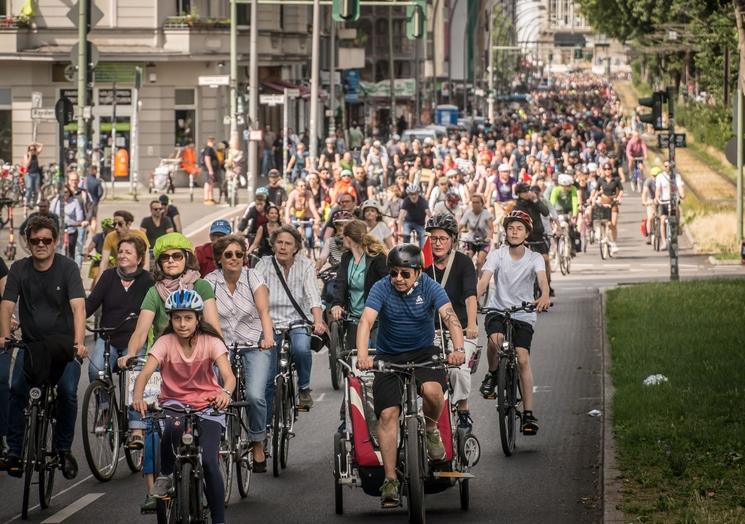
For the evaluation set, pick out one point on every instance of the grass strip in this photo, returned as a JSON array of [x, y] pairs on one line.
[[681, 444]]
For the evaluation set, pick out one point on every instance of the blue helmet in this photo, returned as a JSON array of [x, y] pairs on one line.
[[184, 300], [262, 191]]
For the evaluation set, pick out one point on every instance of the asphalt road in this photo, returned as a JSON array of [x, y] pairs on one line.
[[553, 477]]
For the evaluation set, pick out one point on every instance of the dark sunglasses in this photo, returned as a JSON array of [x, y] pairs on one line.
[[178, 256], [230, 254], [120, 223], [37, 241], [405, 273]]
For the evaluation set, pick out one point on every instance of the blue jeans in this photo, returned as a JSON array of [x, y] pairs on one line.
[[300, 348], [5, 360], [67, 406], [96, 364], [31, 181], [258, 371], [80, 244], [266, 161], [411, 226], [308, 232]]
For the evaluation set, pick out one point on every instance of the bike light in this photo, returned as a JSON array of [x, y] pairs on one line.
[[35, 393], [101, 375], [187, 439], [505, 345], [283, 362]]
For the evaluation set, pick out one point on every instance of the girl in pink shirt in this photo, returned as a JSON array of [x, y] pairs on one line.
[[185, 354]]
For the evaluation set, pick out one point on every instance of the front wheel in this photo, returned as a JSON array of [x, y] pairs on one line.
[[100, 426], [339, 465], [563, 266], [226, 460], [277, 419], [186, 500], [414, 471], [47, 463], [30, 445], [506, 408], [335, 351], [244, 456]]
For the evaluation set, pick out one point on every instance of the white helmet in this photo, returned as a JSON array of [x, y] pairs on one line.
[[592, 167], [565, 180]]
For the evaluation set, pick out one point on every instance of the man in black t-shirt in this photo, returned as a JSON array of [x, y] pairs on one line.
[[460, 287], [277, 193], [171, 212], [413, 215], [157, 224], [51, 305]]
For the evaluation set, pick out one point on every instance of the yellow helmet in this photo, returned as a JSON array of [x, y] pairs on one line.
[[655, 171]]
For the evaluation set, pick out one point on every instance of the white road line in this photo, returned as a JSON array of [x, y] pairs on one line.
[[73, 508], [320, 397], [541, 389]]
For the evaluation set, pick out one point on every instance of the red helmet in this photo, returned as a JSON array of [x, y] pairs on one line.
[[522, 216]]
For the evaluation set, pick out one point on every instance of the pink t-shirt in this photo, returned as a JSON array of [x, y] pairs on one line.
[[188, 381]]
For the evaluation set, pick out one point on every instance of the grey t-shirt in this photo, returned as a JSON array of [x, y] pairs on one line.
[[477, 224], [513, 280]]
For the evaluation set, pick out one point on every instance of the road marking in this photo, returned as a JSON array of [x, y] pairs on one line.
[[541, 389], [320, 397], [73, 508]]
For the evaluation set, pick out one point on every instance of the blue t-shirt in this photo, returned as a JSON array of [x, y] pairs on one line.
[[406, 322]]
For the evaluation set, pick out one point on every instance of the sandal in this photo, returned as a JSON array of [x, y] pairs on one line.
[[135, 442]]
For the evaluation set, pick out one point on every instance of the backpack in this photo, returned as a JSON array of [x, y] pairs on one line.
[[86, 202]]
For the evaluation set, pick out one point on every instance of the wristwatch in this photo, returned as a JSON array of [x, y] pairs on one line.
[[459, 350], [227, 392]]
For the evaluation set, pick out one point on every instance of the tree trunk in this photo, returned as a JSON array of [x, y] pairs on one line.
[[739, 12]]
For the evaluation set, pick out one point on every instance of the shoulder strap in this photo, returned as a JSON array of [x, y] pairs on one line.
[[445, 275], [287, 290]]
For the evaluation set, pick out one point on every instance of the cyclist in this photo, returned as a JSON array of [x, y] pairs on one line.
[[530, 202], [289, 267], [515, 270], [52, 323], [301, 207], [185, 355], [172, 212], [451, 206], [333, 247], [662, 198], [43, 211], [122, 228], [479, 224], [609, 192], [454, 271], [296, 164], [263, 234], [218, 229], [565, 200], [242, 299], [277, 194], [372, 214], [636, 151], [404, 306], [95, 246], [119, 293], [157, 224], [413, 215], [648, 196]]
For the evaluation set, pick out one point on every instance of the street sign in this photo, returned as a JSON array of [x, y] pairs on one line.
[[214, 80], [663, 140], [42, 113], [36, 99], [293, 93], [271, 100], [256, 135], [70, 72], [92, 54], [73, 15], [64, 111]]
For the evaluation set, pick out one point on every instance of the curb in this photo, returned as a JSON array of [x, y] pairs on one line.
[[715, 262], [611, 480]]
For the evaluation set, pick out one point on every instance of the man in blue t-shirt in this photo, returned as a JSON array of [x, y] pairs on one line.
[[405, 306]]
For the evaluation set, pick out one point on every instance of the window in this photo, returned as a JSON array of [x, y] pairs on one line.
[[183, 7], [3, 7], [6, 124], [244, 14], [185, 117]]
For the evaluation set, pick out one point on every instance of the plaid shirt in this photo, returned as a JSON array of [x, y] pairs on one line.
[[303, 285]]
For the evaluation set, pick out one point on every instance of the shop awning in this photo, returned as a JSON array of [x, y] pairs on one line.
[[569, 40]]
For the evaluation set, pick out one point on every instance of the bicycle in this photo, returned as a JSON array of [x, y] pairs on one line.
[[105, 421], [601, 216], [637, 175], [656, 232], [309, 244], [509, 393], [337, 332], [285, 400], [10, 248], [563, 244]]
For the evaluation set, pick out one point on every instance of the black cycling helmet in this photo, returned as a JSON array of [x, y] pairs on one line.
[[444, 221], [521, 187], [405, 255]]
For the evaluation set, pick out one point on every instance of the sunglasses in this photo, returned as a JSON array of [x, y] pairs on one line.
[[119, 224], [230, 254], [178, 256], [345, 201], [43, 240], [156, 209], [439, 240], [405, 273]]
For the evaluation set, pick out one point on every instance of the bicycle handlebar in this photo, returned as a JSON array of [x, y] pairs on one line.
[[242, 348], [106, 330], [528, 307]]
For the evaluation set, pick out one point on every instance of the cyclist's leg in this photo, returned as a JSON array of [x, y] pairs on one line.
[[210, 434], [309, 235], [67, 405], [495, 330], [420, 234], [258, 369], [95, 360], [387, 393], [170, 441], [18, 399], [135, 423], [269, 389], [5, 362], [407, 232], [460, 378], [614, 223], [301, 354]]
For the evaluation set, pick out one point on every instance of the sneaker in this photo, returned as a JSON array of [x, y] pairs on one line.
[[649, 240], [613, 248], [68, 465], [530, 424], [465, 421], [150, 505], [390, 496], [305, 401], [12, 465], [551, 292], [663, 245], [489, 385], [435, 447], [209, 202], [162, 487]]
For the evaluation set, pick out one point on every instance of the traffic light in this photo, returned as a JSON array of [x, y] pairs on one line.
[[415, 18], [346, 10], [655, 102]]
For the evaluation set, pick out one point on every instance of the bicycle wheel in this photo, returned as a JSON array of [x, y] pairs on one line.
[[47, 462], [100, 428], [288, 417], [339, 464], [335, 351], [135, 459], [561, 255], [244, 456], [164, 511], [277, 419], [505, 405], [414, 471], [656, 241], [185, 499], [226, 459], [30, 445], [568, 256]]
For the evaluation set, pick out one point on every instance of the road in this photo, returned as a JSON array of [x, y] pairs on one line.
[[553, 477]]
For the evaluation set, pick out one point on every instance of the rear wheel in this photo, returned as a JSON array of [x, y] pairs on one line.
[[30, 445], [335, 350], [135, 459], [244, 456], [506, 409], [414, 471], [48, 455], [288, 413], [277, 419], [100, 431]]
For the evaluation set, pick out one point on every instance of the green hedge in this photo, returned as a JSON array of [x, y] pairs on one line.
[[709, 124]]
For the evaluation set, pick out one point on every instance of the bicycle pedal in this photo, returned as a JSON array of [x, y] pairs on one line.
[[290, 434], [302, 409]]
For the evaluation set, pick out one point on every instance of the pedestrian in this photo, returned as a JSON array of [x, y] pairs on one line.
[[73, 213], [204, 254], [171, 212], [355, 136], [267, 160], [157, 224], [210, 169], [93, 185], [48, 291], [32, 178], [90, 211]]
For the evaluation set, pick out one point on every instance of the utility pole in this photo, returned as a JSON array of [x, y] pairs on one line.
[[234, 70], [113, 138], [135, 135], [314, 61], [332, 79], [417, 74], [673, 218], [490, 94], [253, 99], [740, 147], [82, 140], [391, 70]]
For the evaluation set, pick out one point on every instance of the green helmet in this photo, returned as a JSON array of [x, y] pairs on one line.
[[655, 171], [107, 223], [172, 241]]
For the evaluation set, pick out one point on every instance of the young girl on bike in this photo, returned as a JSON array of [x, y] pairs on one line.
[[185, 355]]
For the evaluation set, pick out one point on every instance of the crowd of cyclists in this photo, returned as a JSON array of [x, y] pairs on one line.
[[417, 234]]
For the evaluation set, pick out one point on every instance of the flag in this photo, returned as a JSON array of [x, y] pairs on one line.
[[427, 252]]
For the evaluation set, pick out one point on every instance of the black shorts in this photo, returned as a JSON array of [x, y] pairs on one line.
[[522, 332], [388, 388], [539, 246], [663, 210], [478, 247]]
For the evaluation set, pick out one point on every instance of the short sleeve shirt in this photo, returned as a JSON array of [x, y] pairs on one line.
[[154, 232], [112, 239], [406, 322], [191, 380], [609, 188], [239, 319], [477, 224], [415, 212], [154, 303]]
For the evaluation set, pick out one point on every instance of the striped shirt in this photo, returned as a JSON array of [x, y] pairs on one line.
[[303, 285], [239, 319]]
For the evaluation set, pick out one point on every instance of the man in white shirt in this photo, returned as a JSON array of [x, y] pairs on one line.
[[662, 198]]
